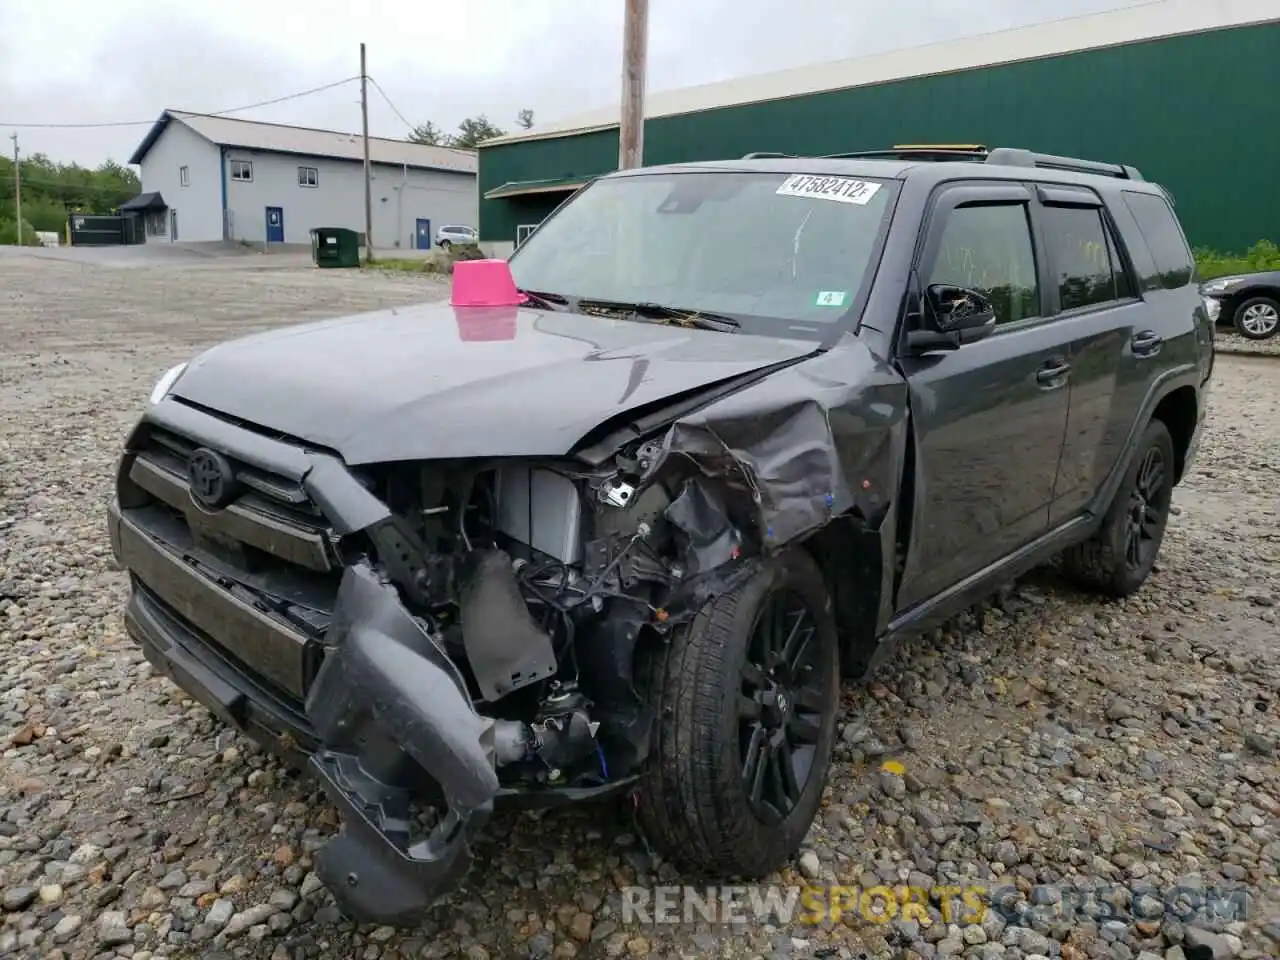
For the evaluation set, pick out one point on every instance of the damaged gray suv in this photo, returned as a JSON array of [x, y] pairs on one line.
[[744, 426]]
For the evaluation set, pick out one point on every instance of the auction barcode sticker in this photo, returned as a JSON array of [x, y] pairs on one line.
[[839, 189]]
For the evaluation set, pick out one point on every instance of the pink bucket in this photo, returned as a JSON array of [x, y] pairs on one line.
[[484, 283]]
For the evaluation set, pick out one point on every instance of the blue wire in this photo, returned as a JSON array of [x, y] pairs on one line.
[[604, 767]]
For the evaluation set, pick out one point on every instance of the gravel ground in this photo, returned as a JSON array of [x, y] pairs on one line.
[[1231, 342], [1044, 745]]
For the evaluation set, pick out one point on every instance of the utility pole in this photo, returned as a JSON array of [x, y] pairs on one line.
[[368, 189], [635, 45], [17, 186]]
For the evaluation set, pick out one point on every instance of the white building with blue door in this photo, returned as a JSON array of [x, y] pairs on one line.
[[218, 178]]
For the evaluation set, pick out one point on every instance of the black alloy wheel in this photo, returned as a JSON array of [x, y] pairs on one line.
[[784, 699], [746, 697], [1119, 557], [1148, 502]]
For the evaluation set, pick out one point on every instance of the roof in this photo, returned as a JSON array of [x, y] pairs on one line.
[[1151, 20], [517, 188], [144, 202], [306, 141]]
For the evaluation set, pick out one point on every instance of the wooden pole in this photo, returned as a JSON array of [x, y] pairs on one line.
[[368, 189], [634, 60], [17, 187]]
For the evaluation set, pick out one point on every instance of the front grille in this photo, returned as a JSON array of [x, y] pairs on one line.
[[267, 494], [270, 549]]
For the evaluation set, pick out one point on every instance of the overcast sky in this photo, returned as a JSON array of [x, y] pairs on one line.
[[71, 61]]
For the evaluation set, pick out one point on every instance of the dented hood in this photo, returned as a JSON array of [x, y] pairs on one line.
[[435, 381]]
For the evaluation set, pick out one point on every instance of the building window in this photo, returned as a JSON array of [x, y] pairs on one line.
[[524, 231], [308, 177], [184, 177], [242, 170]]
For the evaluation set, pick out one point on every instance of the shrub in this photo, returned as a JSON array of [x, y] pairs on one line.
[[465, 251], [9, 233], [1263, 255]]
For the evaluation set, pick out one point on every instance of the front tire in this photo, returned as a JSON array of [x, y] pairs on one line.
[[1117, 560], [1258, 318], [746, 697]]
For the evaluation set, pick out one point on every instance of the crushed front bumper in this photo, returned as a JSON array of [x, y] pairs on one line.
[[386, 717]]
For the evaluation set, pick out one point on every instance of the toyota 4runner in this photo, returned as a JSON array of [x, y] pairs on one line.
[[742, 427]]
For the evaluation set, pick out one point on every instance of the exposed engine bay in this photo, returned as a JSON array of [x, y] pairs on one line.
[[538, 579]]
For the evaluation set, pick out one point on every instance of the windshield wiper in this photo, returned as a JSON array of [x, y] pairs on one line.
[[547, 301], [660, 313]]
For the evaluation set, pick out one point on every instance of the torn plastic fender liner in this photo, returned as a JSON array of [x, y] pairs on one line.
[[807, 444], [387, 692], [699, 515], [505, 647]]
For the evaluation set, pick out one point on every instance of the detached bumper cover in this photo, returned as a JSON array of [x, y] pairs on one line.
[[387, 693], [387, 717]]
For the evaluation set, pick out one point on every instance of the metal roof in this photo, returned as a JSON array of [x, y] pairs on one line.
[[144, 203], [516, 188], [1145, 21], [305, 141]]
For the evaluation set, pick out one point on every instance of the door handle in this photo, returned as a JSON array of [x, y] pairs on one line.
[[1146, 344], [1053, 373]]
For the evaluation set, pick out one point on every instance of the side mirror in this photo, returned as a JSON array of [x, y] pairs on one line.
[[959, 308], [954, 316]]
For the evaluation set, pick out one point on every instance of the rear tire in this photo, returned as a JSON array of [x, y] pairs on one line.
[[1258, 318], [444, 245], [1117, 560], [746, 697]]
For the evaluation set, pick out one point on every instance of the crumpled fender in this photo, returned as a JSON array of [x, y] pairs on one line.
[[809, 443]]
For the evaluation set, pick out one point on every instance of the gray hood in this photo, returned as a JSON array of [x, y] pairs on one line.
[[434, 381]]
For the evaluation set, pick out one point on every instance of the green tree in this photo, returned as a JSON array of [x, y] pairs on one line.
[[51, 190], [474, 130], [429, 134], [471, 131]]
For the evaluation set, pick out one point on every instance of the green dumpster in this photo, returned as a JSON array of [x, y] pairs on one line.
[[335, 247]]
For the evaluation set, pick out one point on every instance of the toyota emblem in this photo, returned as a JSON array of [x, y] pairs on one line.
[[212, 479]]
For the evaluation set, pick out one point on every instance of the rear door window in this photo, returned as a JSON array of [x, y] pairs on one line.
[[1164, 238], [1083, 258]]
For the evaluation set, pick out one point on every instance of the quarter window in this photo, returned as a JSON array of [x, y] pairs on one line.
[[1082, 257], [1164, 238], [242, 170], [987, 247], [308, 177]]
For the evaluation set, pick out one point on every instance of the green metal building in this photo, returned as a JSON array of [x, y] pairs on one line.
[[1188, 91]]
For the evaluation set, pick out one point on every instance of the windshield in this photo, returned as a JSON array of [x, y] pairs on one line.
[[765, 247]]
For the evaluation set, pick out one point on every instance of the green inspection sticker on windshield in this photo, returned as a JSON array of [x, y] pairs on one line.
[[830, 298]]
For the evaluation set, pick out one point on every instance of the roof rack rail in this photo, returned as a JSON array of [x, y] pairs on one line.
[[940, 154], [976, 153], [1016, 157]]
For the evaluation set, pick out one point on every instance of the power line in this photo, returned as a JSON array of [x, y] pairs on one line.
[[377, 86], [190, 113], [291, 96]]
